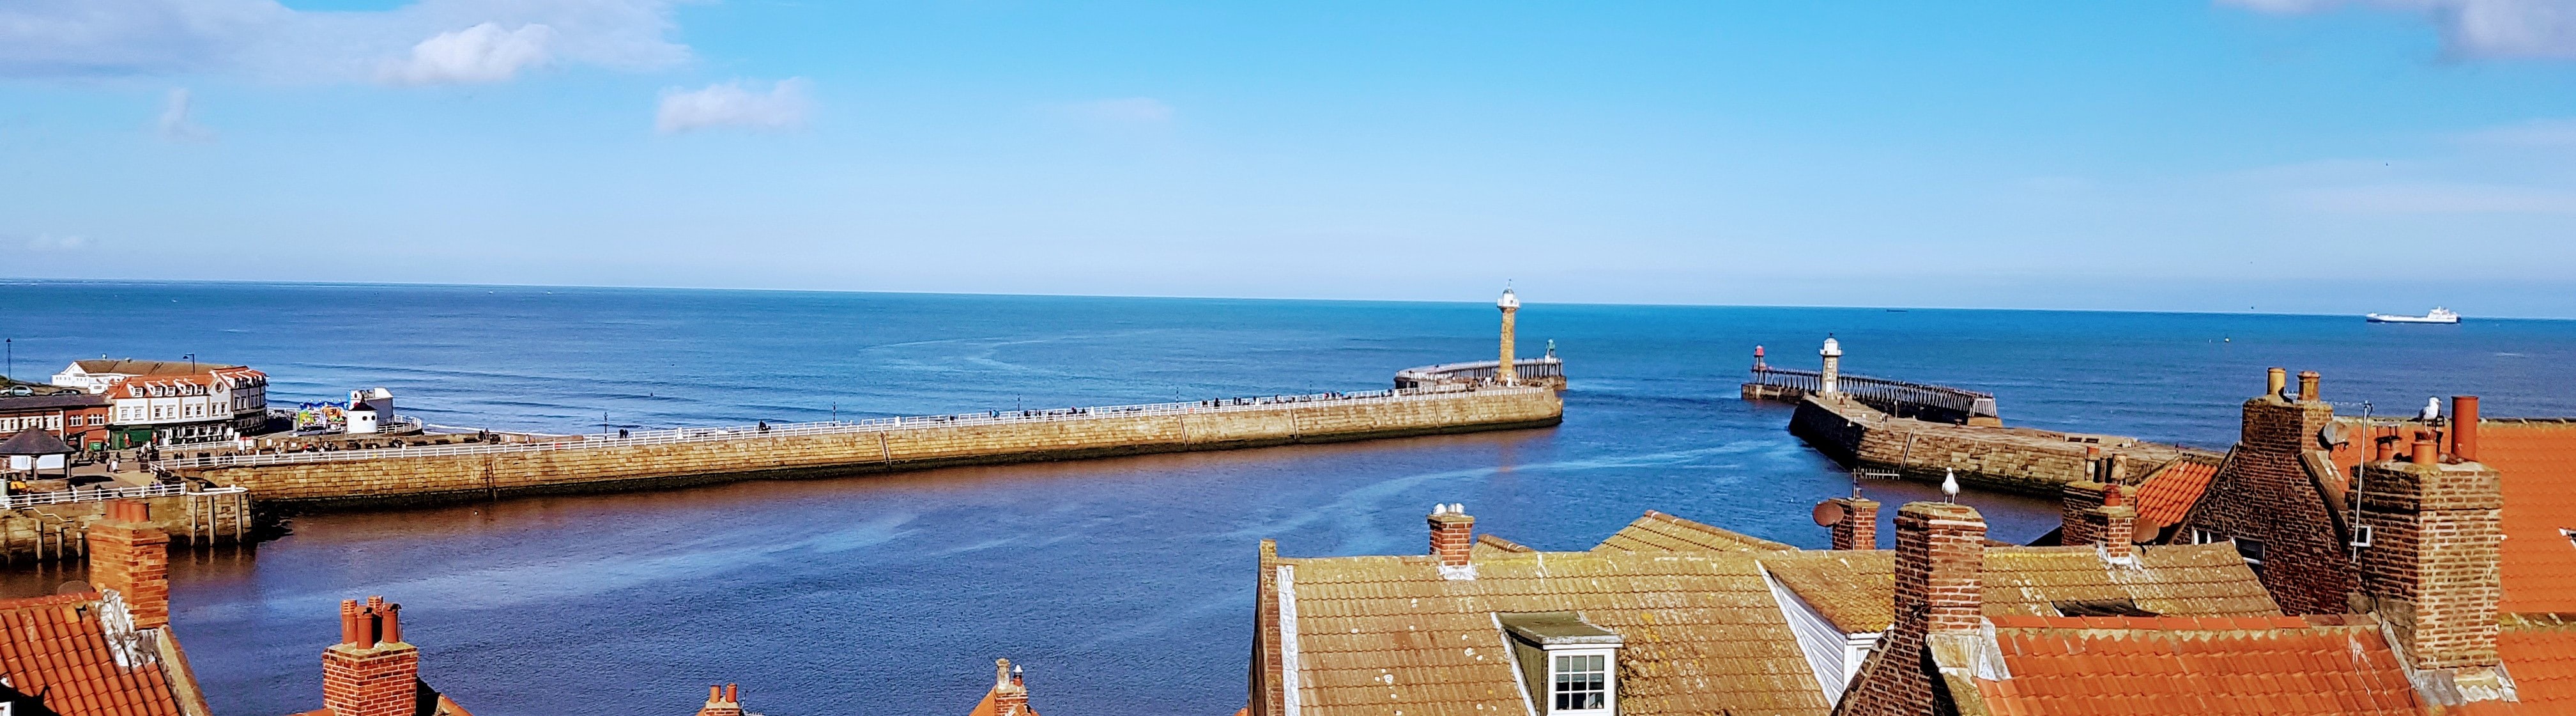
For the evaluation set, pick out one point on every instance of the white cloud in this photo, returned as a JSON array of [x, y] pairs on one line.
[[2440, 199], [2472, 28], [1125, 110], [175, 123], [784, 106], [482, 53], [51, 242], [428, 41], [2544, 133]]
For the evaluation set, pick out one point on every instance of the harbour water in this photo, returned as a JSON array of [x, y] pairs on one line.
[[1124, 585]]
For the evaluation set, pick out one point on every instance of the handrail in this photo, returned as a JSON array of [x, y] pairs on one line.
[[1545, 367], [1962, 400], [843, 427], [102, 494]]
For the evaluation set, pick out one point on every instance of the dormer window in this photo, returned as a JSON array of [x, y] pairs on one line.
[[1569, 666]]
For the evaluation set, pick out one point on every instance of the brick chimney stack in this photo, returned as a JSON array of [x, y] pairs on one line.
[[723, 700], [2115, 523], [1453, 533], [2431, 569], [371, 672], [2099, 513], [1940, 551], [130, 556], [1010, 694], [1859, 528]]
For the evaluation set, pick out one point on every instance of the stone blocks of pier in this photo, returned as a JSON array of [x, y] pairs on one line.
[[931, 444], [2032, 462]]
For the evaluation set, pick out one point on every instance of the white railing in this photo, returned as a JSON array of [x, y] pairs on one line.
[[102, 494], [742, 432]]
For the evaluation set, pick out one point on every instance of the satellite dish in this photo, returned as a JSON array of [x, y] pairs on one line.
[[2333, 436], [2145, 531], [1830, 513]]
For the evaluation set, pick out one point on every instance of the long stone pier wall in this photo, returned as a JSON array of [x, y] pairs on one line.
[[916, 445], [2023, 460]]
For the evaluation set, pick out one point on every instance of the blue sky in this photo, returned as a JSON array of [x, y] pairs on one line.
[[2280, 155]]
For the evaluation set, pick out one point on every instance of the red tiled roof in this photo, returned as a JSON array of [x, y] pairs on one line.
[[2267, 666], [56, 647], [2538, 462], [2540, 652], [2168, 496]]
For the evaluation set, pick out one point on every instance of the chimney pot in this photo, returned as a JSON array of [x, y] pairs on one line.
[[393, 623], [2274, 380], [2307, 386], [2424, 453], [349, 622], [2464, 427]]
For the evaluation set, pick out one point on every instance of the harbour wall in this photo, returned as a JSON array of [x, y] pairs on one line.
[[2021, 460], [902, 445]]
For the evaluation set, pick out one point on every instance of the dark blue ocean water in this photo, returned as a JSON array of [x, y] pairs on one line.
[[1124, 585]]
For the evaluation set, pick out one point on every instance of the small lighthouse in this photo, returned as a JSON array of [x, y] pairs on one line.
[[1505, 372], [1831, 378]]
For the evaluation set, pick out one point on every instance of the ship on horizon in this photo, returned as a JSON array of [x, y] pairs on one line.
[[2437, 315]]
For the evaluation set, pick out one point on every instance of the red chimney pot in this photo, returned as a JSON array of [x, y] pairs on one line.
[[2464, 427]]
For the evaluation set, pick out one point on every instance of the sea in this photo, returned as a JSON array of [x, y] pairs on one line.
[[1123, 585]]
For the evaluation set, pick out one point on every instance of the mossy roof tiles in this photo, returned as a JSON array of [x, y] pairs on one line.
[[1856, 589], [1659, 532], [1701, 630]]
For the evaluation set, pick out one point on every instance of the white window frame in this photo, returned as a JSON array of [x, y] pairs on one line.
[[1609, 681]]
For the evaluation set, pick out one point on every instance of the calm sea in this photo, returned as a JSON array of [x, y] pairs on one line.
[[1124, 585]]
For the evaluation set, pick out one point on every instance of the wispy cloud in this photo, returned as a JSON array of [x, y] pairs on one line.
[[2542, 133], [2439, 198], [56, 242], [176, 125], [2470, 28], [482, 53], [785, 106], [425, 42], [1124, 110]]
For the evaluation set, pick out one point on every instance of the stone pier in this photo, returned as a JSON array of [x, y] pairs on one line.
[[460, 473], [2023, 460]]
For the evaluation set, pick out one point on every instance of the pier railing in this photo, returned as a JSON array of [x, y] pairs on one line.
[[1530, 370], [1965, 403], [102, 494], [873, 425]]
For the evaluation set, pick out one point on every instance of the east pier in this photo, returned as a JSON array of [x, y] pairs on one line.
[[1929, 432]]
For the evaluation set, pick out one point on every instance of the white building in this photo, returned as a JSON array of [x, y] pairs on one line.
[[174, 402]]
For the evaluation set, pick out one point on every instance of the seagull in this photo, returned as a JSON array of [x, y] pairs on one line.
[[2432, 408], [1950, 484]]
